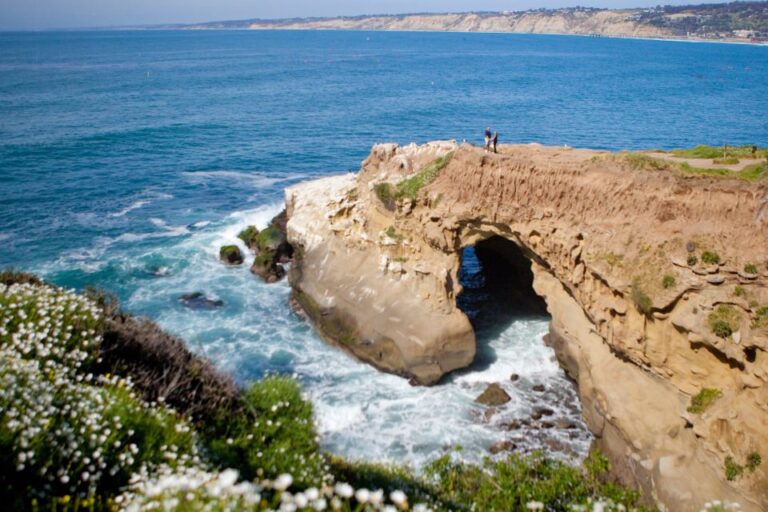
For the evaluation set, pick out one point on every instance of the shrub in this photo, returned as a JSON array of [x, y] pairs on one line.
[[78, 437], [273, 433], [728, 160], [48, 324], [668, 281], [732, 469], [639, 161], [724, 320], [642, 301], [692, 260], [10, 276], [162, 368], [703, 400], [710, 257], [750, 268], [762, 317], [392, 233], [753, 461], [739, 291], [386, 194], [410, 187], [512, 483]]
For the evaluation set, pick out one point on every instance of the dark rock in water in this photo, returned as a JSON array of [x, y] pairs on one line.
[[493, 395], [513, 425], [231, 255], [502, 446], [564, 424], [514, 377], [547, 424], [267, 268], [198, 300], [539, 412], [539, 388]]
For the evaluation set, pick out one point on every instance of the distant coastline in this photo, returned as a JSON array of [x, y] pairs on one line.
[[739, 22]]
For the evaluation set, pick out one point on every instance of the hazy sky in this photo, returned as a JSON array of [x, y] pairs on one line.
[[42, 14]]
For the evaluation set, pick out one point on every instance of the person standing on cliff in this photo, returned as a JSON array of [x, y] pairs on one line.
[[495, 141], [487, 138]]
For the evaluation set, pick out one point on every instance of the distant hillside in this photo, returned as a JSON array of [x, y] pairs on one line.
[[731, 21]]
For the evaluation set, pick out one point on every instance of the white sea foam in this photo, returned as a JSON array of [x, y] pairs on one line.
[[133, 206], [251, 179], [360, 412]]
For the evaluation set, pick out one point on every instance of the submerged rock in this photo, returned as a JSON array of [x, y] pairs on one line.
[[502, 446], [493, 396], [231, 255], [198, 300]]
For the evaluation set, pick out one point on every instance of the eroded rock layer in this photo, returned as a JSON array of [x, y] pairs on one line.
[[655, 280]]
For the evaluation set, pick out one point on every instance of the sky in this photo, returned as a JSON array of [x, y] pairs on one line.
[[47, 14]]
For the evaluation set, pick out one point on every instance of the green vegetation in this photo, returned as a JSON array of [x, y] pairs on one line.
[[614, 259], [753, 461], [752, 172], [230, 253], [73, 434], [513, 483], [668, 281], [271, 434], [750, 268], [729, 160], [248, 235], [724, 320], [642, 301], [692, 260], [710, 258], [733, 470], [269, 239], [703, 400], [264, 260], [640, 161], [762, 317], [739, 291], [392, 233], [386, 194], [720, 152], [410, 187]]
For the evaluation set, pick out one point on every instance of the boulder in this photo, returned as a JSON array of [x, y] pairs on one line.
[[199, 300], [231, 255], [265, 266], [248, 235], [493, 396]]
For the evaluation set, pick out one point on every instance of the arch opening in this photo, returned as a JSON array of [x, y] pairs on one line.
[[497, 290]]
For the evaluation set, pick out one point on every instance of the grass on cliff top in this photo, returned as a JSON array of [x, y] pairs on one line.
[[720, 152], [641, 161], [409, 188]]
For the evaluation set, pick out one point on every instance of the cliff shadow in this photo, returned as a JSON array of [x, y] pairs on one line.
[[497, 283]]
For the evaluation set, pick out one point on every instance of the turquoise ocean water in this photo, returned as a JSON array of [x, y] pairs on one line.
[[128, 158]]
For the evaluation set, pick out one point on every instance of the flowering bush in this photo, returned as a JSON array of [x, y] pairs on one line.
[[64, 432], [193, 489], [49, 325], [272, 433]]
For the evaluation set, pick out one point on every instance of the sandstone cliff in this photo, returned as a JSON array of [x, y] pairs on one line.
[[638, 324]]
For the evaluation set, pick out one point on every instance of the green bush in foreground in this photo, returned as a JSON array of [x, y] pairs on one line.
[[703, 400], [272, 433], [71, 439], [668, 282], [733, 469], [518, 482]]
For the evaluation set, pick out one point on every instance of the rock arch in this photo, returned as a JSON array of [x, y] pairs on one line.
[[380, 279]]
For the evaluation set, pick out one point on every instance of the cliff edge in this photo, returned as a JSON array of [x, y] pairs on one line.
[[655, 280]]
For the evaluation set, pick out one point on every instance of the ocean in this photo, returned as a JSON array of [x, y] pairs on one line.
[[128, 158]]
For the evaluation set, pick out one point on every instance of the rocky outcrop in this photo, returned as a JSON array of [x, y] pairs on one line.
[[230, 255], [634, 318]]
